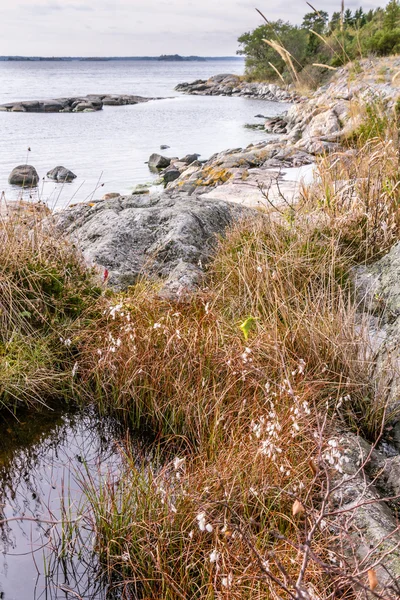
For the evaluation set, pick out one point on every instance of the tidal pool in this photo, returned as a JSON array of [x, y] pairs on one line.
[[43, 460]]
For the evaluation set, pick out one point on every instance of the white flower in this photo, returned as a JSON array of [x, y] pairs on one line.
[[178, 463], [74, 369], [114, 310], [209, 527], [157, 326], [201, 520], [227, 581], [214, 556]]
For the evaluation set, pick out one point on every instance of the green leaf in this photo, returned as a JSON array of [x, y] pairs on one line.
[[247, 326]]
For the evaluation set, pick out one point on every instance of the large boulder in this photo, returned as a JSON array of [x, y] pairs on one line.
[[324, 124], [166, 236], [24, 175], [156, 161], [61, 174]]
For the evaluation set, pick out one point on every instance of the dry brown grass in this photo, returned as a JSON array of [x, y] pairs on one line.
[[241, 414], [246, 419], [44, 289]]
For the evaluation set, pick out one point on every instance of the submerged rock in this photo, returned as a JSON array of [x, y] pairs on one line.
[[166, 236], [24, 175], [61, 174]]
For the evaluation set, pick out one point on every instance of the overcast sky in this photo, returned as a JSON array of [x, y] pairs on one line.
[[140, 27]]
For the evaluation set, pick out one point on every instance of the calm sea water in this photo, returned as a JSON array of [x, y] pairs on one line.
[[107, 150]]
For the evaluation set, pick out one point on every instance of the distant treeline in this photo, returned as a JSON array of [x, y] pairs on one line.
[[320, 40], [163, 57]]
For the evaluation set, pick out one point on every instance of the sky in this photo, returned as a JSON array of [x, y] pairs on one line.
[[140, 27]]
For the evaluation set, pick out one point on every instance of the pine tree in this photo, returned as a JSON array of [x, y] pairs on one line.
[[360, 18], [392, 15], [348, 17]]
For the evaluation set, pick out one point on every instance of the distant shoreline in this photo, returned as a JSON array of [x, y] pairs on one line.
[[162, 58]]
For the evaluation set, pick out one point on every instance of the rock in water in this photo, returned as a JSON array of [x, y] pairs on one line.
[[156, 161], [61, 174], [24, 175], [190, 158], [166, 236]]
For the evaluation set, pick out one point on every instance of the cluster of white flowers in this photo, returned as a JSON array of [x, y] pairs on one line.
[[114, 310], [300, 368], [227, 581], [214, 556], [299, 411], [334, 457], [114, 343], [268, 428], [67, 342], [246, 355], [202, 523], [343, 399]]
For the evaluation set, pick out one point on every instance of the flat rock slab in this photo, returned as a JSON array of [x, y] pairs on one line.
[[90, 103], [259, 189], [167, 237]]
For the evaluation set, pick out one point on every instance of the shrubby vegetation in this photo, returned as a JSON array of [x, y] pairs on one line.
[[320, 40]]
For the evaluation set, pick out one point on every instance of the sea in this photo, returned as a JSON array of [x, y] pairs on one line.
[[108, 150]]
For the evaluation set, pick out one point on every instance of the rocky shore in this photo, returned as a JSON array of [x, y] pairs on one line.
[[233, 85], [90, 103]]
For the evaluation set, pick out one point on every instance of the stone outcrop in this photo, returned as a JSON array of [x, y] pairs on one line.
[[24, 176], [90, 103], [168, 237], [61, 174], [368, 525], [378, 292], [233, 85]]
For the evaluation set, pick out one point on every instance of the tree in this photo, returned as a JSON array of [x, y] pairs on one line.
[[360, 18], [334, 23], [314, 21], [259, 54], [348, 18], [392, 15]]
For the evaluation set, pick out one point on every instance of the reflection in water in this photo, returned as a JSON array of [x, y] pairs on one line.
[[42, 459]]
